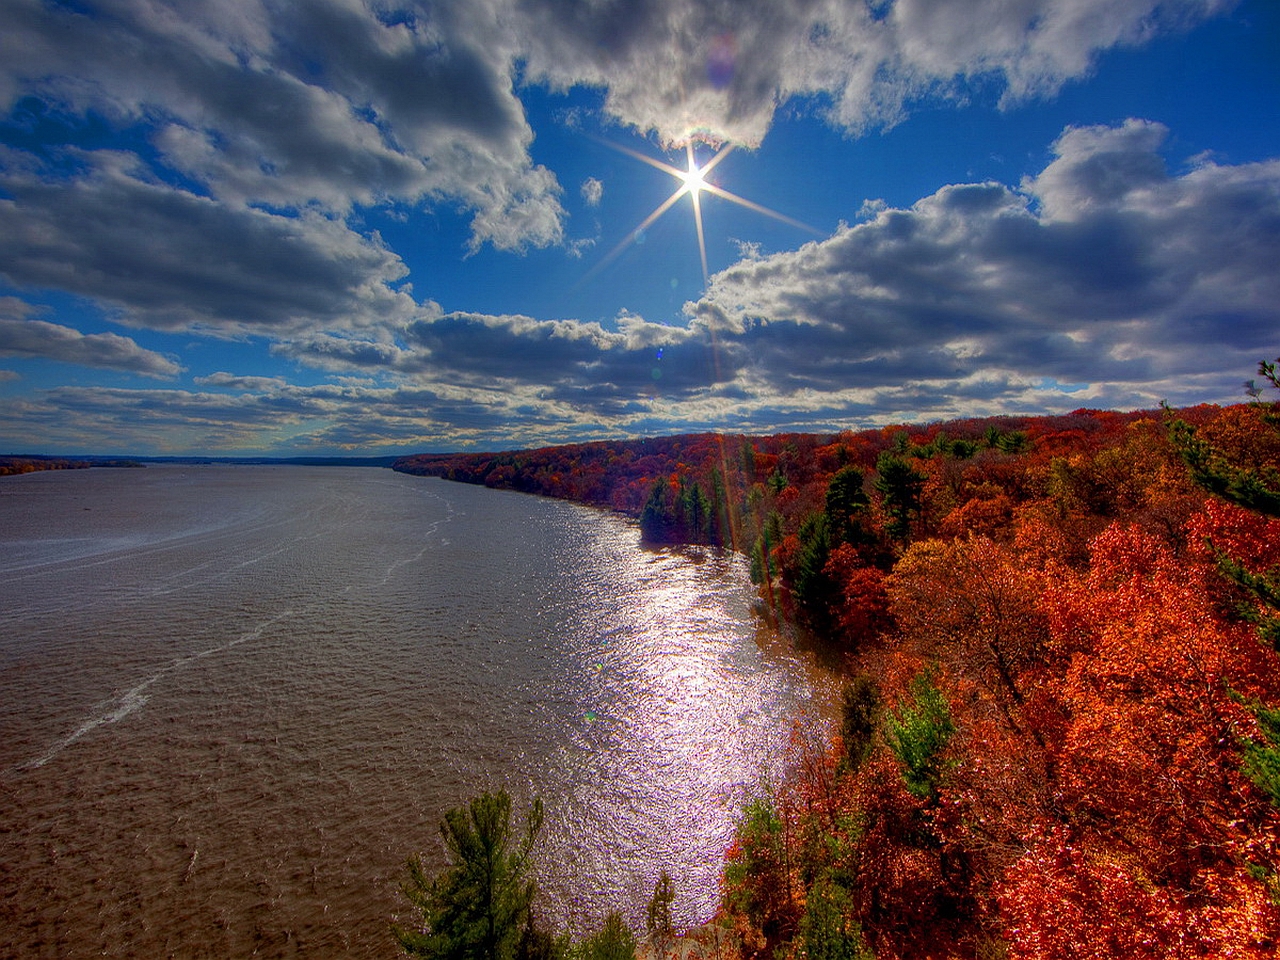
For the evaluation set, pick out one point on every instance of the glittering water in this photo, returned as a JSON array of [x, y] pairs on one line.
[[234, 699]]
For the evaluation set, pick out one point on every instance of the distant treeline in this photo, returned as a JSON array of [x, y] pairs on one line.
[[10, 466]]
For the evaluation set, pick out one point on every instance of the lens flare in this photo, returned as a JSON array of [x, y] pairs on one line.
[[693, 182]]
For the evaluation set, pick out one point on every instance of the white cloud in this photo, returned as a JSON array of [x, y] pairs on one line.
[[1106, 269], [680, 68], [592, 191], [294, 105]]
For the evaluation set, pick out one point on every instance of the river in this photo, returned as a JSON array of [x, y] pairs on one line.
[[233, 700]]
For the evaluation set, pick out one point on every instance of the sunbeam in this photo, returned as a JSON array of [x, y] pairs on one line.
[[693, 181]]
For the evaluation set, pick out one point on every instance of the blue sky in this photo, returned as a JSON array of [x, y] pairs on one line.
[[238, 226]]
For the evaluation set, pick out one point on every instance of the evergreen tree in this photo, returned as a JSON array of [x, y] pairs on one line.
[[813, 588], [846, 500], [917, 733], [901, 486], [478, 906], [614, 941], [658, 917], [657, 520]]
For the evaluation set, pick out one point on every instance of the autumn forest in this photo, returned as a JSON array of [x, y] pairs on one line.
[[1061, 717]]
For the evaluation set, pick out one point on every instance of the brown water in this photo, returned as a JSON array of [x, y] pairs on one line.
[[234, 699]]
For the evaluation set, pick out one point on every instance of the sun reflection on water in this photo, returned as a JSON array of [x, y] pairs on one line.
[[682, 722]]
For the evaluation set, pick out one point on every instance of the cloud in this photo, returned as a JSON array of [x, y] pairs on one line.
[[248, 137], [276, 417], [169, 259], [1103, 269], [24, 337], [592, 191], [231, 381], [327, 103], [1105, 280], [681, 68], [258, 130]]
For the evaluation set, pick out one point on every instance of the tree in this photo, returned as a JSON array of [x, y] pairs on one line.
[[613, 941], [901, 485], [827, 929], [917, 733], [859, 712], [658, 917], [1253, 487], [812, 588], [757, 873], [846, 503], [477, 907]]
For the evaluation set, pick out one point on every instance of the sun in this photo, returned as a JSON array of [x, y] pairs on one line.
[[693, 177], [693, 183]]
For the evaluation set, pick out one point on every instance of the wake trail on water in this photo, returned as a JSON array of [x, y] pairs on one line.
[[117, 708]]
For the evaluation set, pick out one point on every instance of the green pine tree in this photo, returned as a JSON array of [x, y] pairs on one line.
[[613, 941], [477, 908], [901, 485], [918, 732]]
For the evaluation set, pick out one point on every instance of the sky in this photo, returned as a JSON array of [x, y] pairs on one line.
[[243, 227]]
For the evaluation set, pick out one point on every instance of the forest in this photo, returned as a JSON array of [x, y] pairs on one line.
[[1060, 634], [14, 466]]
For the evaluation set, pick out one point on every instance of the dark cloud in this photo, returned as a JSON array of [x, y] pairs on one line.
[[170, 259], [1104, 281], [297, 105], [580, 363], [21, 336], [248, 134]]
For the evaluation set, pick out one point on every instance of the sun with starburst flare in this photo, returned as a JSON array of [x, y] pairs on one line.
[[693, 182]]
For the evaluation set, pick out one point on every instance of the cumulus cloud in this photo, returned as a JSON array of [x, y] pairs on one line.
[[248, 136], [1105, 280], [231, 381], [21, 336], [722, 70], [266, 125], [332, 102], [1104, 269], [170, 259]]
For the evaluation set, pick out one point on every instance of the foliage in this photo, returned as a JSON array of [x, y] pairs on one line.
[[757, 872], [859, 715], [1059, 735], [478, 906], [918, 732], [827, 929], [901, 486], [657, 919], [613, 941], [1262, 756]]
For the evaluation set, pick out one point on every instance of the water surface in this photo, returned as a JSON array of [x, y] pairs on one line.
[[233, 699]]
